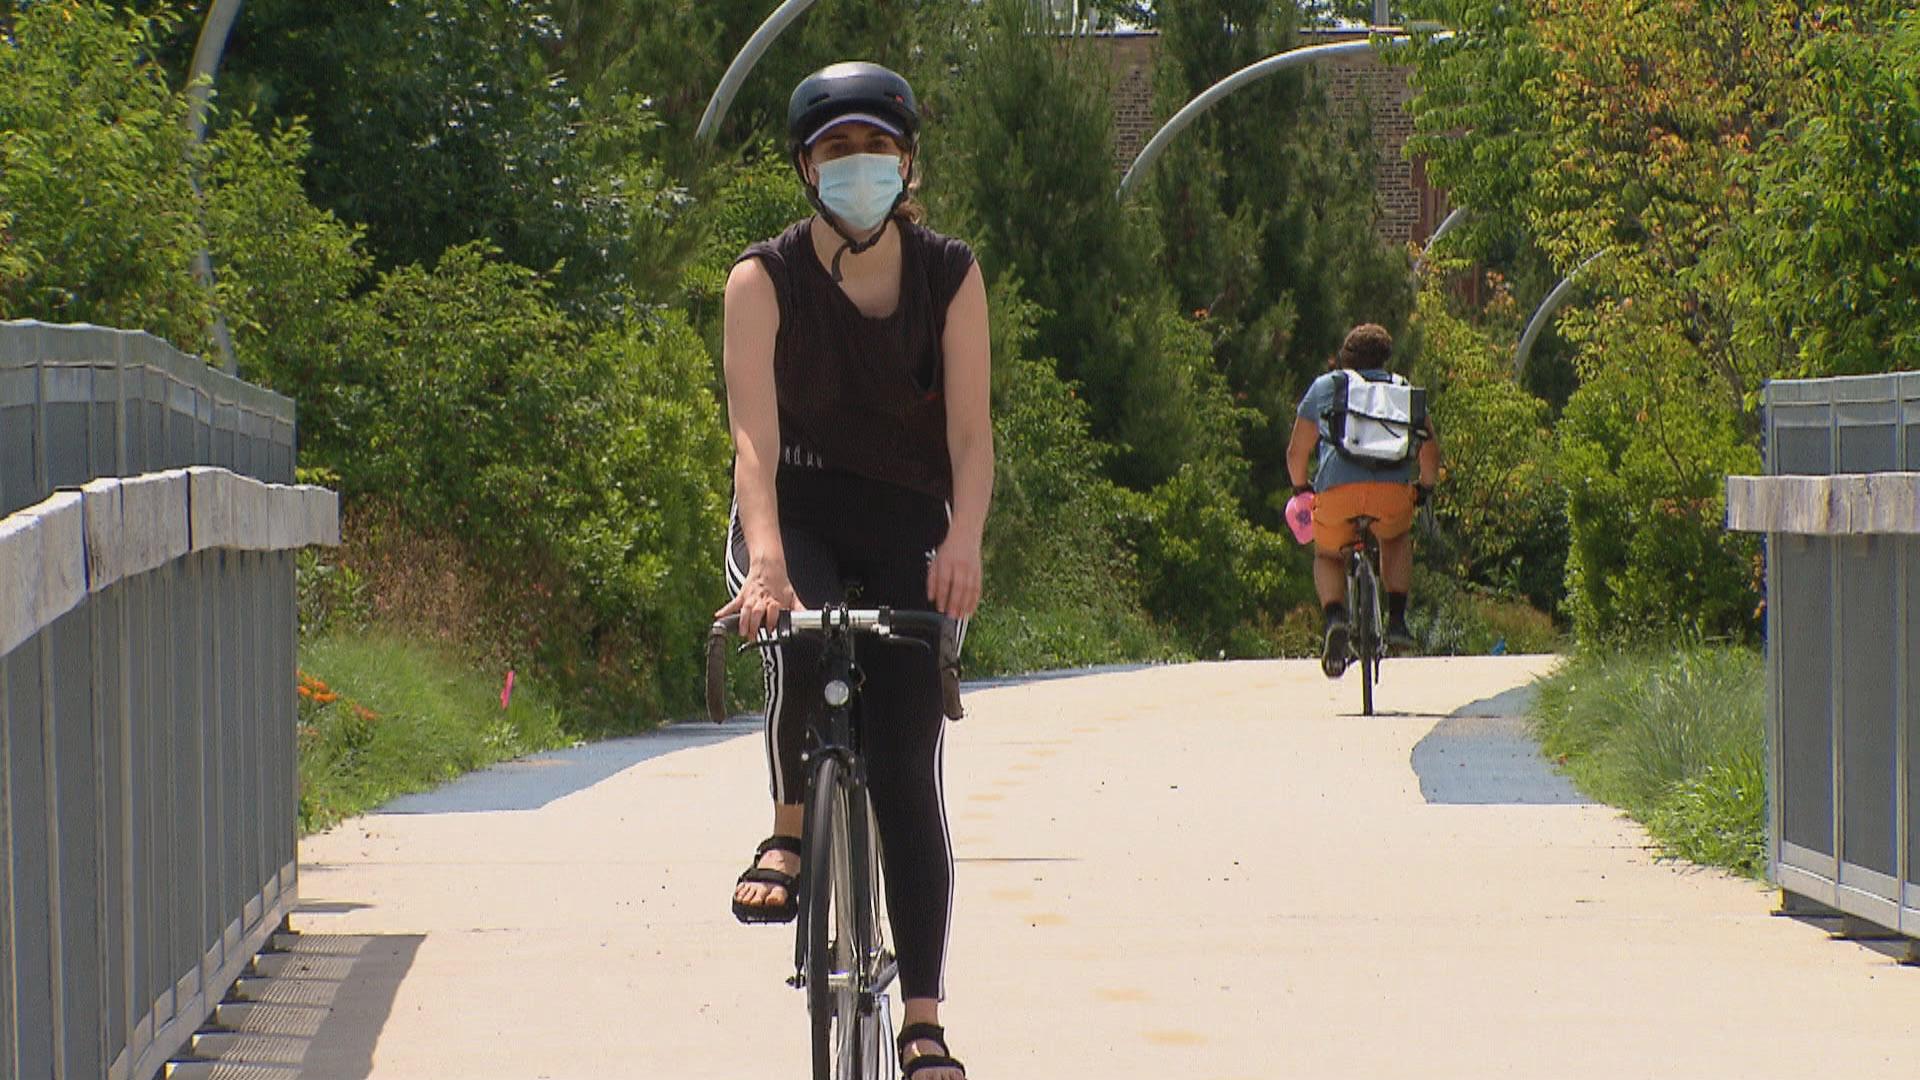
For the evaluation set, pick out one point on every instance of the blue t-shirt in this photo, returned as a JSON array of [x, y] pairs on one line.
[[1335, 470]]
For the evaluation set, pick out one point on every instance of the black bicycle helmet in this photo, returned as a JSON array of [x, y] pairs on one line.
[[853, 86]]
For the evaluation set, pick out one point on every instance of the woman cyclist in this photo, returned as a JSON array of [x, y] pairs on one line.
[[856, 364]]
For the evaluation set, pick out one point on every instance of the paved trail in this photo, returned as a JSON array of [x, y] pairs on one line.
[[1204, 872]]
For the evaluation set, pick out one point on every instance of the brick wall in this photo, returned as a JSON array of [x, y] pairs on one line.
[[1132, 57], [1409, 208]]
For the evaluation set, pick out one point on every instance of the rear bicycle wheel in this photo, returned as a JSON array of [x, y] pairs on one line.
[[846, 1042], [1366, 633]]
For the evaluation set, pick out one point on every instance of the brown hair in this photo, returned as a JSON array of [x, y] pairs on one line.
[[1368, 346]]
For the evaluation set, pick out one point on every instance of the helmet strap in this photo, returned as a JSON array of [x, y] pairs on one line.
[[848, 244]]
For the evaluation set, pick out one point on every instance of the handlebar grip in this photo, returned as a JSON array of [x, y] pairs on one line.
[[717, 673], [949, 657], [950, 693]]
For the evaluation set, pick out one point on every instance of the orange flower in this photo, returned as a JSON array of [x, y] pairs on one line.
[[326, 697], [365, 713]]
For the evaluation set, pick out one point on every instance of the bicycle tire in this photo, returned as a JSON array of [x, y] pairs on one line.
[[833, 955], [1366, 633]]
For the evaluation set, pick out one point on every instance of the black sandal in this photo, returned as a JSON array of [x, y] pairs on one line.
[[932, 1033], [761, 875]]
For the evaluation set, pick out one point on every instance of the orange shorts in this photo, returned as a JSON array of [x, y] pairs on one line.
[[1389, 504]]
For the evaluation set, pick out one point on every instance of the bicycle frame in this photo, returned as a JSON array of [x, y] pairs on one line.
[[840, 738], [835, 750]]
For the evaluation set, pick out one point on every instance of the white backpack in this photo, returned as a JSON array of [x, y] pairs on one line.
[[1376, 421]]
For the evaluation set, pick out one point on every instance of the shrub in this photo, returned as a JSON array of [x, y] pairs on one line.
[[1209, 571], [284, 268], [1675, 737], [1452, 618], [1061, 591], [1503, 509], [1645, 452], [95, 179], [584, 473]]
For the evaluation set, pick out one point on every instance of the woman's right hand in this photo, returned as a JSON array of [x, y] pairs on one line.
[[766, 594]]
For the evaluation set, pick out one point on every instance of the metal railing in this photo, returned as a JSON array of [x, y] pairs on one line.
[[1841, 509], [147, 722]]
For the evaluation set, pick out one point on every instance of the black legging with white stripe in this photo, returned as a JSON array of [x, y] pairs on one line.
[[839, 530]]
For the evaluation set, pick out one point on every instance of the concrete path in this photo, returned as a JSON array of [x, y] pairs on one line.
[[1203, 872]]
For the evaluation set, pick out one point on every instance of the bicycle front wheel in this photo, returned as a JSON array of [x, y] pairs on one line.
[[844, 1042]]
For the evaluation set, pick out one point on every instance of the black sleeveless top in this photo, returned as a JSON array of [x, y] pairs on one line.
[[857, 394]]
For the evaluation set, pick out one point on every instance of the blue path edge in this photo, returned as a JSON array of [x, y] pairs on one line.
[[1483, 754]]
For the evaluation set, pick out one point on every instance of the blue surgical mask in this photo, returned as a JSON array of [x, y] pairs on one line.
[[860, 189]]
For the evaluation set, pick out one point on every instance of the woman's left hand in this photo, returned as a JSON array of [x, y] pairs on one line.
[[953, 577]]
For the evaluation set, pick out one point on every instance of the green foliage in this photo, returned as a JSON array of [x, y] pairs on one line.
[[1673, 736], [285, 267], [1206, 569], [1266, 216], [95, 185], [1736, 178], [381, 717], [1031, 186], [1454, 618], [1826, 268], [1503, 507], [1061, 591], [330, 595], [585, 470], [1644, 458], [1480, 121], [754, 200], [439, 125], [676, 52]]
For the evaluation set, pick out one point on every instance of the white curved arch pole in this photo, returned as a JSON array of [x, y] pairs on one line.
[[1446, 224], [1253, 72], [743, 62], [206, 61], [1544, 314]]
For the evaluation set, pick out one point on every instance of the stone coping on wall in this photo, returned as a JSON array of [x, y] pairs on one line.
[[1845, 504], [83, 540], [29, 342]]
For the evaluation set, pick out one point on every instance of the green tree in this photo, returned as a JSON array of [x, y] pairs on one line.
[[583, 470], [1267, 213], [1826, 268], [286, 269], [677, 51], [435, 125], [95, 181], [1023, 163]]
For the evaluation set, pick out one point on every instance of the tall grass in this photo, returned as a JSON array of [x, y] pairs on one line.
[[1674, 738], [382, 716]]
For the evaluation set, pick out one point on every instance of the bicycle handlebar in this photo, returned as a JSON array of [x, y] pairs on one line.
[[884, 623]]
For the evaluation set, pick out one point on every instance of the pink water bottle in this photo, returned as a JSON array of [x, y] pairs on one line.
[[1300, 516]]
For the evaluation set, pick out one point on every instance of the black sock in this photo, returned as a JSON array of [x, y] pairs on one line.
[[1396, 607], [1335, 610]]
